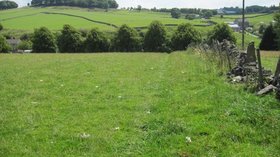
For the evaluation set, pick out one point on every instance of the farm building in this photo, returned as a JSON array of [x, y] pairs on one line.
[[13, 43], [226, 12], [239, 22], [235, 27]]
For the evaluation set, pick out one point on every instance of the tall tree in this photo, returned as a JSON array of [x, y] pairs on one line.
[[70, 40], [96, 42], [277, 27], [221, 32], [155, 39], [4, 47], [126, 40], [185, 35], [269, 41], [43, 41]]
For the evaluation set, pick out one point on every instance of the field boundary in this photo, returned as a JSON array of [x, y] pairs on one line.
[[85, 18], [16, 17]]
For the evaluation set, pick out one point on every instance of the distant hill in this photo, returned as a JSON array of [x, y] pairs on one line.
[[78, 3]]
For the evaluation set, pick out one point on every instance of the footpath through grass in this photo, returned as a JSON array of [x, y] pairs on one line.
[[140, 104]]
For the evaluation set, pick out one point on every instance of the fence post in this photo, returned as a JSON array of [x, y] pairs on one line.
[[277, 72], [261, 84], [228, 58]]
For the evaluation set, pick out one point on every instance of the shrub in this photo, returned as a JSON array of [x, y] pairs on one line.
[[261, 29], [70, 40], [269, 39], [207, 14], [26, 36], [175, 13], [25, 45], [96, 42], [1, 27], [221, 32], [155, 39], [126, 40], [185, 35], [43, 41], [4, 47]]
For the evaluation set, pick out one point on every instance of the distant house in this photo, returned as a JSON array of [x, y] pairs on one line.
[[239, 23], [226, 12], [235, 27], [13, 43]]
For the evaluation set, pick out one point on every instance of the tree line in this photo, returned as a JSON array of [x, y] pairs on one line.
[[8, 5], [78, 3], [125, 39], [253, 9]]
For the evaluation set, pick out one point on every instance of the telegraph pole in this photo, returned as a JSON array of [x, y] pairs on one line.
[[243, 25]]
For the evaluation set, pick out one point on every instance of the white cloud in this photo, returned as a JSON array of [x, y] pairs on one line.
[[183, 3]]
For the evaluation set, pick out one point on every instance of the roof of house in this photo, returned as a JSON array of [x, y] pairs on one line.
[[13, 41], [233, 26]]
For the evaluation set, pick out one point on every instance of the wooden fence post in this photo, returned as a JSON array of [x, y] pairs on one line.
[[261, 84]]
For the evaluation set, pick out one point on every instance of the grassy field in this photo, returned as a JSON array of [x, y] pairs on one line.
[[137, 104], [25, 18]]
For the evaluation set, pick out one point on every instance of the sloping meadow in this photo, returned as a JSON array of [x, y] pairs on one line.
[[129, 104]]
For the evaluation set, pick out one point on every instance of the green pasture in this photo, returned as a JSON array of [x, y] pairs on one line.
[[30, 18], [129, 104]]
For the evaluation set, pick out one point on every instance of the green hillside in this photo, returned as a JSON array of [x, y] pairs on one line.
[[25, 20], [141, 104]]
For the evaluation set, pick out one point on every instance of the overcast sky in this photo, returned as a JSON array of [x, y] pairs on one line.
[[183, 3]]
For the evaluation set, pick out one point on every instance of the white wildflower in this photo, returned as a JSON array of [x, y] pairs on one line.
[[117, 128], [188, 139], [84, 135], [41, 80]]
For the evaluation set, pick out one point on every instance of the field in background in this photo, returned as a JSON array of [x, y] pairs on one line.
[[18, 21], [270, 58], [138, 104]]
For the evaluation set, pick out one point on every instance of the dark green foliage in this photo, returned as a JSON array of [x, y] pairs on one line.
[[8, 5], [126, 40], [175, 13], [220, 32], [269, 39], [4, 47], [25, 45], [262, 29], [1, 27], [185, 35], [26, 36], [43, 41], [79, 3], [96, 42], [69, 40], [207, 14], [155, 39], [277, 28]]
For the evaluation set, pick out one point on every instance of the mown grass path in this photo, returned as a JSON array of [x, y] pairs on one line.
[[142, 104]]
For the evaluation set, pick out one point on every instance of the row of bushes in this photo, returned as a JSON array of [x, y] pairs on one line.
[[126, 39]]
